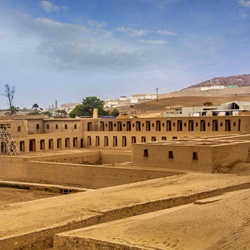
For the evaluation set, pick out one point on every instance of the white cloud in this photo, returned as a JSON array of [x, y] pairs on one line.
[[154, 42], [133, 32], [143, 33], [44, 42], [165, 32], [49, 7]]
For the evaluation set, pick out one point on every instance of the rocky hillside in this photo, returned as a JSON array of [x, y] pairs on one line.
[[239, 80]]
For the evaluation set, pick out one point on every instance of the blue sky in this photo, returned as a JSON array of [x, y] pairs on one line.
[[66, 50]]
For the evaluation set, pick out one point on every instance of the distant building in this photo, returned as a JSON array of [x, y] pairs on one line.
[[212, 87], [142, 97], [227, 109], [123, 98], [110, 103], [68, 107]]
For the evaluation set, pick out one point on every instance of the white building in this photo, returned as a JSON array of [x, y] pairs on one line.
[[142, 97], [110, 103], [212, 87], [68, 107]]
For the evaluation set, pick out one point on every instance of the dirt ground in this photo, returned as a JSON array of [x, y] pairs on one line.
[[13, 195], [80, 208], [217, 223]]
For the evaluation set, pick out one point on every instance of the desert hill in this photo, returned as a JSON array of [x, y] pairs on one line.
[[238, 80], [237, 88], [234, 86], [187, 101]]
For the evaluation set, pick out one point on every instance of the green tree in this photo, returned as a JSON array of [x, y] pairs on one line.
[[61, 113], [114, 112], [47, 113], [87, 106]]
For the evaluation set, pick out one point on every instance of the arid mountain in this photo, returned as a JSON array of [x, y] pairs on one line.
[[233, 86], [237, 88], [239, 80]]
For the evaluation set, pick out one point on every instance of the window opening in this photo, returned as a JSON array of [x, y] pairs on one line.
[[170, 154], [145, 153]]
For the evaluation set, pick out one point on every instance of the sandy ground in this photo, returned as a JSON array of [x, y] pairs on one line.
[[12, 195], [24, 218], [222, 222]]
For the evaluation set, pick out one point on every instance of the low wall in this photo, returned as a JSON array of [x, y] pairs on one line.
[[43, 238], [89, 157], [13, 168], [87, 176], [113, 157]]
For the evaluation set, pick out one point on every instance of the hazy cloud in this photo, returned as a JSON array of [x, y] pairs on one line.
[[96, 24], [140, 32], [67, 46], [161, 3], [154, 42], [49, 7], [133, 32], [244, 3], [165, 32]]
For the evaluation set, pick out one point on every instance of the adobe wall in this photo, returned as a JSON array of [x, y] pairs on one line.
[[92, 157], [18, 128], [13, 168], [30, 170], [118, 133], [62, 125], [122, 133], [227, 155], [113, 157], [89, 158], [50, 138], [41, 125], [210, 158], [158, 157], [65, 242], [87, 176]]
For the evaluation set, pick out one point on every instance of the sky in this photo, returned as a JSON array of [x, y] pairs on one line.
[[66, 50]]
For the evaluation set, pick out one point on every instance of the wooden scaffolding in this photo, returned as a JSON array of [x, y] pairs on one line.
[[7, 144]]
